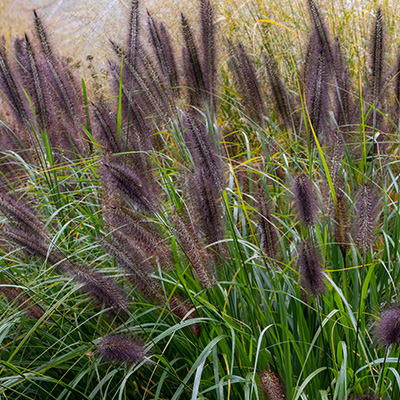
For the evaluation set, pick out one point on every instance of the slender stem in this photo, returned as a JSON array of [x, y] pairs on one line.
[[382, 373], [396, 389], [358, 318]]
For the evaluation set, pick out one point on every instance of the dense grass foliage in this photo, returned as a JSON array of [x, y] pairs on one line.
[[210, 230]]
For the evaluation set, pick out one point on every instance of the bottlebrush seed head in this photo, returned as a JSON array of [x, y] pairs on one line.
[[22, 214], [194, 250], [304, 199], [377, 51], [366, 204], [208, 48], [310, 269], [272, 386], [100, 288], [388, 328], [118, 348], [279, 91], [246, 78]]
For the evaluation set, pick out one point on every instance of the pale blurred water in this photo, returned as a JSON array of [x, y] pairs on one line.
[[79, 28]]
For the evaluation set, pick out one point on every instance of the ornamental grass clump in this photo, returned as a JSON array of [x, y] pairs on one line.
[[229, 202]]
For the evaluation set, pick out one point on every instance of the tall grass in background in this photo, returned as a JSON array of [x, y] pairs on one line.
[[210, 230]]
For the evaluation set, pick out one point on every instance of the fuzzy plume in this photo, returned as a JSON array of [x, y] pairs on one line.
[[170, 62], [313, 47], [366, 204], [194, 99], [101, 289], [106, 127], [279, 92], [317, 96], [133, 43], [137, 141], [119, 348], [310, 269], [269, 238], [162, 47], [155, 40], [32, 79], [33, 244], [201, 149], [23, 215], [345, 110], [143, 260], [204, 200], [156, 83], [194, 250], [272, 386], [388, 328], [193, 70], [304, 199], [209, 56], [10, 89], [377, 50], [138, 274], [63, 88], [42, 37], [377, 84], [134, 136], [142, 279], [119, 178], [63, 95], [322, 32], [24, 302], [139, 236], [318, 70], [151, 99], [246, 78]]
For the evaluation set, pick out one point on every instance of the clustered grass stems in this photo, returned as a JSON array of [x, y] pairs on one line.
[[144, 210], [310, 267]]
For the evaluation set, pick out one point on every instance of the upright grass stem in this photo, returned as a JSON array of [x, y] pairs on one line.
[[362, 277]]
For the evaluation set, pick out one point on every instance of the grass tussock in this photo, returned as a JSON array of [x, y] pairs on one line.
[[222, 223]]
